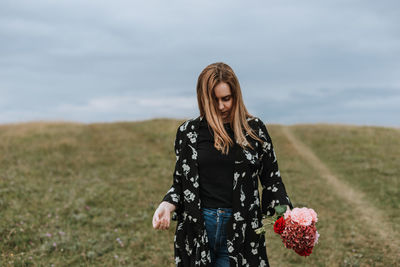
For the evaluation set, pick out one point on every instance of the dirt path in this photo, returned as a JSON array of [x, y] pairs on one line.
[[376, 223]]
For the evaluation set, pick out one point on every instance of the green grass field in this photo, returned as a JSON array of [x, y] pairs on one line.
[[84, 195]]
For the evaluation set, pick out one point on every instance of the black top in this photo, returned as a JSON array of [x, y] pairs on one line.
[[215, 169]]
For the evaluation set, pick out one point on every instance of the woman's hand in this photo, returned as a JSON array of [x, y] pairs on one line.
[[162, 215]]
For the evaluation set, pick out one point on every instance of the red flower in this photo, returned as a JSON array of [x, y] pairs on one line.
[[305, 252], [279, 225], [299, 238]]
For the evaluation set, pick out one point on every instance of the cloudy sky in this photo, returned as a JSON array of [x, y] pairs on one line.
[[104, 61]]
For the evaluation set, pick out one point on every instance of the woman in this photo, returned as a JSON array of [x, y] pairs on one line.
[[220, 156]]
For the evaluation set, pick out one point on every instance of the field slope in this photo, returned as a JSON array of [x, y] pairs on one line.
[[84, 194]]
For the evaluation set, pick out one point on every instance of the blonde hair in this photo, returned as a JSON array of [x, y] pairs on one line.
[[208, 79]]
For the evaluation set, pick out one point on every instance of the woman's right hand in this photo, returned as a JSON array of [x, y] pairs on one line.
[[162, 215]]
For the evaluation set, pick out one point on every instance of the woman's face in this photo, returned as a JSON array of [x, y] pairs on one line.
[[224, 100]]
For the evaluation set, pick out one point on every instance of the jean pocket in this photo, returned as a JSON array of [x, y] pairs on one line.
[[208, 212]]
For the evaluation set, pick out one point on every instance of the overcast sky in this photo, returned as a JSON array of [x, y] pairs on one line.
[[104, 61]]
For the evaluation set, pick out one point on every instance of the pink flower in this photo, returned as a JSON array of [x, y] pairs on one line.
[[286, 214], [316, 237], [313, 215], [302, 216]]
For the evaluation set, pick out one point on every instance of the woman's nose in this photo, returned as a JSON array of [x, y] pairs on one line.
[[220, 105]]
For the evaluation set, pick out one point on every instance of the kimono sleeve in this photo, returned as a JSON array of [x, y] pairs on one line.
[[174, 194], [273, 189]]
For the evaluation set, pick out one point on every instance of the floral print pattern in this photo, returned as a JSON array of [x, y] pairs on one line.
[[245, 247]]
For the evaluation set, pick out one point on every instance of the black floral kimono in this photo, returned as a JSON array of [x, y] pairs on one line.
[[245, 247]]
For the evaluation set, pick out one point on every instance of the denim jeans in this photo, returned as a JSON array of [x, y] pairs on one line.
[[215, 220]]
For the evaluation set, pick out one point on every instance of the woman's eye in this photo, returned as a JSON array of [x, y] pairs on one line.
[[224, 99]]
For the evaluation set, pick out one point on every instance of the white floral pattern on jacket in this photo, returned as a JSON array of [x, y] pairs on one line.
[[245, 247]]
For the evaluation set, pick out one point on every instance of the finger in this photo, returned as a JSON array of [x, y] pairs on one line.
[[159, 225], [156, 224], [168, 220], [155, 220], [162, 224], [160, 220], [165, 224]]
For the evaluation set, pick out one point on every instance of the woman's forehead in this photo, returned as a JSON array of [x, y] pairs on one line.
[[222, 90]]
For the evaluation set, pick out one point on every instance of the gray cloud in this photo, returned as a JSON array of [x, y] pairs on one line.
[[296, 61]]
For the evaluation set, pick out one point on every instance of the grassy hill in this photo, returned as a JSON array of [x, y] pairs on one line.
[[84, 195]]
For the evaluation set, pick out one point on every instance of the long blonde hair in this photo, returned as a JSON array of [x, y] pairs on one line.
[[208, 79]]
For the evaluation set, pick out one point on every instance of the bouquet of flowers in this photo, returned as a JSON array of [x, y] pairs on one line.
[[296, 228]]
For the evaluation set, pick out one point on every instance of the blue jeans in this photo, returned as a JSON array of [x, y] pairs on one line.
[[215, 220]]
